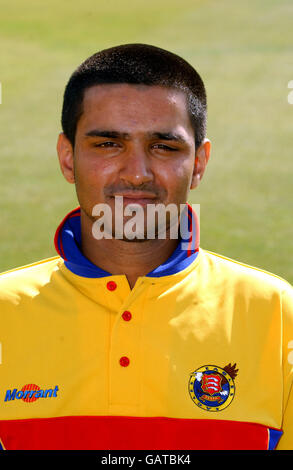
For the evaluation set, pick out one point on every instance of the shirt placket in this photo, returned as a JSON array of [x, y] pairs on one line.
[[124, 350]]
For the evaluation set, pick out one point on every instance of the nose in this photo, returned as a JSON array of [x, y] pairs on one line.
[[136, 168]]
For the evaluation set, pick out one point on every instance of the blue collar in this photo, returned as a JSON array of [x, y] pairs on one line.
[[68, 245]]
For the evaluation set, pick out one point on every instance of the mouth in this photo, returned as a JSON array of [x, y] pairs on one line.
[[136, 198]]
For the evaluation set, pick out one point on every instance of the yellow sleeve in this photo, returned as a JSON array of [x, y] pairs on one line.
[[286, 441]]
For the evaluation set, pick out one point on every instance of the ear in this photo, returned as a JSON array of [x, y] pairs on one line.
[[201, 160], [65, 155]]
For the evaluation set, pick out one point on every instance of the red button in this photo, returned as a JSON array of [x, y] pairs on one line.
[[124, 361], [111, 285], [126, 315]]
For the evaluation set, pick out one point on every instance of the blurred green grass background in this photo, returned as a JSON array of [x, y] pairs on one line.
[[242, 50]]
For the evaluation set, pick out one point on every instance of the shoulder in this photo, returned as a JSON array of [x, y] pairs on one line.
[[243, 275], [27, 280], [254, 288]]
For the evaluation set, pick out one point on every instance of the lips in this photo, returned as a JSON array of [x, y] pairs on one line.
[[141, 202], [137, 198]]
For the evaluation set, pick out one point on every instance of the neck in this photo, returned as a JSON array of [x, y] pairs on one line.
[[132, 258]]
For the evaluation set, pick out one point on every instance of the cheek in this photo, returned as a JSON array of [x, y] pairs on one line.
[[177, 179], [89, 181], [92, 172]]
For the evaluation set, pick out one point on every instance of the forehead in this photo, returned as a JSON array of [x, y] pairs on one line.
[[138, 106]]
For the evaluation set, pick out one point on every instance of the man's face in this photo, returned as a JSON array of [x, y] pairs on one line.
[[133, 141]]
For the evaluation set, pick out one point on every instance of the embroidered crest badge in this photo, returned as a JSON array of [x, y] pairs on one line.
[[212, 388]]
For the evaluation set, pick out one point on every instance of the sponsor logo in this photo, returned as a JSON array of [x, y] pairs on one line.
[[212, 388], [30, 393]]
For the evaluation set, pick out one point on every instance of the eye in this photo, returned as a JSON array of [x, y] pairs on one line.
[[106, 144], [164, 147]]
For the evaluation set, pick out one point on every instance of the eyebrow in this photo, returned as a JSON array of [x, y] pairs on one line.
[[169, 136], [109, 134]]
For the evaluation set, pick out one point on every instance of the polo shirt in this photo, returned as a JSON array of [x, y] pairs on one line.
[[198, 355]]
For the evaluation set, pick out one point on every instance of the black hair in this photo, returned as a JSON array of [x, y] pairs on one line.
[[135, 64]]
